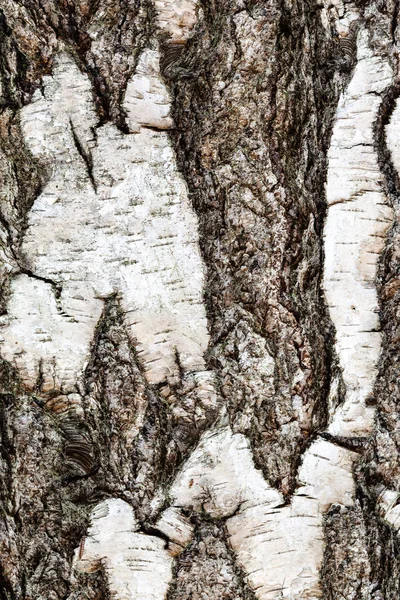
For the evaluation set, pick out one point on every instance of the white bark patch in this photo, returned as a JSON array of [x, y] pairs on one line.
[[389, 508], [114, 218], [43, 341], [147, 100], [355, 230], [176, 18], [340, 12], [280, 548], [177, 528], [136, 565]]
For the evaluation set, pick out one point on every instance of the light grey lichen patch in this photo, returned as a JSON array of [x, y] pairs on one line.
[[247, 373]]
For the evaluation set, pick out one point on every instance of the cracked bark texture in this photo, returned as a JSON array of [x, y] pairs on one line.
[[255, 88]]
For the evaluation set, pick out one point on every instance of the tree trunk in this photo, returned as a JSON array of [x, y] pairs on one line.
[[200, 293]]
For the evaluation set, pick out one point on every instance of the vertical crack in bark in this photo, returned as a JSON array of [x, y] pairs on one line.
[[387, 107], [86, 156]]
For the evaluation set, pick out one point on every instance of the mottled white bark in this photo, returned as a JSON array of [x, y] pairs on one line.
[[114, 218], [355, 231], [176, 18], [137, 565], [280, 548], [388, 504]]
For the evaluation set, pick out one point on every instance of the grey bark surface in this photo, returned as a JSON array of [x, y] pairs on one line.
[[255, 91]]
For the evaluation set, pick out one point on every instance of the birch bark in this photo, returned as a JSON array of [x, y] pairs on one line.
[[199, 328]]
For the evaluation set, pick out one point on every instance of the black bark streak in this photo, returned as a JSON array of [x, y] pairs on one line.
[[86, 156], [391, 181], [393, 28]]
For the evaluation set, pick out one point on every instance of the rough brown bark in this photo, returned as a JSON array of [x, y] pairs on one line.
[[255, 91]]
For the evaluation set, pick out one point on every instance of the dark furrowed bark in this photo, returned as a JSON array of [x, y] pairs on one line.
[[264, 135]]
